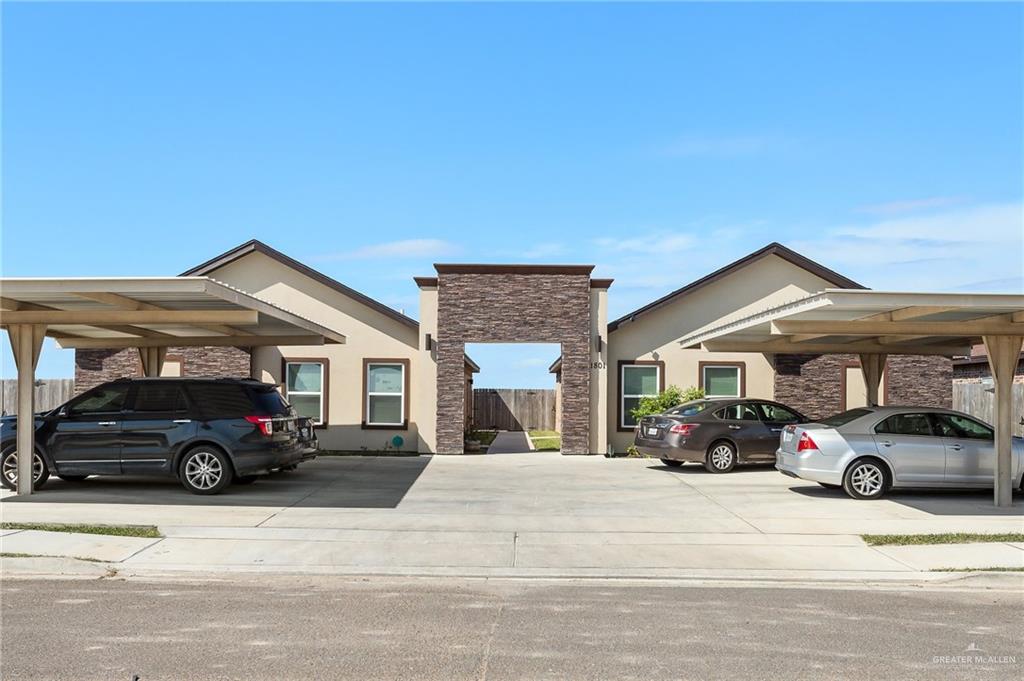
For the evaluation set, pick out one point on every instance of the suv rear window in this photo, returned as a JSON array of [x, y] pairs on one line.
[[269, 401], [221, 400], [845, 417]]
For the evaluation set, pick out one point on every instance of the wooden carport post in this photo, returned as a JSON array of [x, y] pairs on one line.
[[26, 344], [152, 360], [872, 366], [1003, 354]]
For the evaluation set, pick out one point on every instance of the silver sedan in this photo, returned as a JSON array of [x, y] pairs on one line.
[[870, 450]]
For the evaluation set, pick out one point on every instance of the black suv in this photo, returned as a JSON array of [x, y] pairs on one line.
[[206, 432]]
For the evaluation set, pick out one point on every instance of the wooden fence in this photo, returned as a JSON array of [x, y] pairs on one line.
[[50, 393], [977, 400], [513, 409]]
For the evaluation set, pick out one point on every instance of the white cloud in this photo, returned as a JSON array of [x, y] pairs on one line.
[[406, 248], [951, 250], [910, 205], [528, 362], [654, 243]]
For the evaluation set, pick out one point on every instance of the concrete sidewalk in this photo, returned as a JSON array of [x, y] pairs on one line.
[[507, 442], [517, 515]]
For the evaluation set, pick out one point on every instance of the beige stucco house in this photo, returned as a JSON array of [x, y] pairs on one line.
[[404, 384]]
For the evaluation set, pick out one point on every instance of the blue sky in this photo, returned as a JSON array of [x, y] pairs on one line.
[[369, 141]]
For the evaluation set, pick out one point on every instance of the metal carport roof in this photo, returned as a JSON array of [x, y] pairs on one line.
[[875, 324], [148, 313]]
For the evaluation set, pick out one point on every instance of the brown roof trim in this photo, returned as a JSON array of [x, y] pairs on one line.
[[426, 282], [473, 366], [469, 268], [556, 366], [601, 283], [773, 248], [257, 246]]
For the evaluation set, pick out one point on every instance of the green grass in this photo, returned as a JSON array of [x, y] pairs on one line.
[[947, 538], [146, 531], [546, 440], [987, 569]]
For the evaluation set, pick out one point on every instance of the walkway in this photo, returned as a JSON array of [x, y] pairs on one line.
[[508, 442]]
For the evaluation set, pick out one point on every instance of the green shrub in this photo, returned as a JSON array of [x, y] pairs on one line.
[[665, 400]]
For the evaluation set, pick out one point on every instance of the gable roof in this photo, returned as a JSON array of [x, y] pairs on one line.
[[256, 246], [773, 248]]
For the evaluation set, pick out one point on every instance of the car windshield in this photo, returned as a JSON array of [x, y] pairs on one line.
[[845, 417], [269, 401], [687, 409]]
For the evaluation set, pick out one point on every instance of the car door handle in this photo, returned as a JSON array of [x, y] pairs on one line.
[[885, 443], [183, 420], [956, 447], [776, 430], [107, 423], [734, 427]]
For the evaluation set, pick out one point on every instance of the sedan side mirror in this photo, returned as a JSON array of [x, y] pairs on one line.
[[63, 413]]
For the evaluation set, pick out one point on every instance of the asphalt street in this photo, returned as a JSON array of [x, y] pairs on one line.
[[387, 628]]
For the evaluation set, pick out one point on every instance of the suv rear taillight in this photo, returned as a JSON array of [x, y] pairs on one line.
[[264, 424], [806, 442], [683, 429]]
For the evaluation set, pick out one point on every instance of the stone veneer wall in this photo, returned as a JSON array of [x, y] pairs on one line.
[[93, 367], [544, 308], [813, 383]]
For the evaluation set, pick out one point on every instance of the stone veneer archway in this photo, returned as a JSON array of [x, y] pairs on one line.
[[514, 304]]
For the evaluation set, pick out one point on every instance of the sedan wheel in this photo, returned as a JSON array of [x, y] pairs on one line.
[[205, 471], [866, 480], [721, 458], [9, 470]]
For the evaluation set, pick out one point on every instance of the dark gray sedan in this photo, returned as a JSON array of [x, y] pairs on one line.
[[717, 432]]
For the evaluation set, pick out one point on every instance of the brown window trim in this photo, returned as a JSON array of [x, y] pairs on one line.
[[176, 358], [325, 387], [741, 365], [367, 361], [618, 398], [883, 389]]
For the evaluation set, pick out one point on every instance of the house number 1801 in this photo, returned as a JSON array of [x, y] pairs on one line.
[[598, 365]]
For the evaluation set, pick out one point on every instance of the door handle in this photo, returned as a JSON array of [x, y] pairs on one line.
[[885, 443], [956, 447], [183, 420], [734, 427], [776, 430], [107, 423]]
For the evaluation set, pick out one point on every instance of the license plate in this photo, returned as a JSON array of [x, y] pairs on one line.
[[652, 431]]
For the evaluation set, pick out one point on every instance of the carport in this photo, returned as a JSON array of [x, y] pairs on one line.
[[148, 313], [875, 324]]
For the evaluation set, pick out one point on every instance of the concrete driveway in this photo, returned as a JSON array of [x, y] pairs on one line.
[[538, 513]]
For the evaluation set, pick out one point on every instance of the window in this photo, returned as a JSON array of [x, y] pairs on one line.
[[776, 413], [158, 396], [842, 418], [722, 379], [221, 400], [688, 409], [905, 424], [636, 381], [386, 383], [101, 400], [952, 425], [737, 412], [304, 385]]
